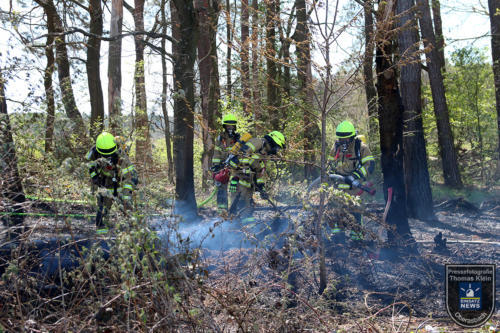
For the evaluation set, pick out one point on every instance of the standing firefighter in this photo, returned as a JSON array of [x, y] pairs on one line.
[[353, 160], [111, 170], [225, 141], [247, 174]]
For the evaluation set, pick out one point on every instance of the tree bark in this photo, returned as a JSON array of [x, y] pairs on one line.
[[245, 68], [49, 93], [208, 12], [185, 30], [302, 39], [418, 191], [114, 67], [63, 71], [168, 143], [256, 98], [390, 116], [438, 29], [229, 38], [272, 72], [93, 68], [143, 153], [494, 8], [11, 189], [451, 172], [370, 91]]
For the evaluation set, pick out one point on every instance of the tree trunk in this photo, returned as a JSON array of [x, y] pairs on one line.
[[143, 154], [229, 38], [208, 13], [63, 71], [170, 164], [49, 93], [256, 99], [185, 30], [245, 68], [93, 69], [438, 29], [11, 189], [114, 67], [371, 93], [418, 191], [451, 172], [494, 8], [390, 116], [302, 41], [272, 90]]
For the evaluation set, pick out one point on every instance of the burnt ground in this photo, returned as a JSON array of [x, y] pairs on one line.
[[263, 284]]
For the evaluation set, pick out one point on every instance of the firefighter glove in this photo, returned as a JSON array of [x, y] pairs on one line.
[[233, 186], [349, 179]]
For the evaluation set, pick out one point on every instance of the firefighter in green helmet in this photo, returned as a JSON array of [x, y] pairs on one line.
[[352, 159], [247, 174], [223, 144], [110, 170]]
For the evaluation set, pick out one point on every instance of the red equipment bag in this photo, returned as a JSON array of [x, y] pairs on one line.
[[222, 176]]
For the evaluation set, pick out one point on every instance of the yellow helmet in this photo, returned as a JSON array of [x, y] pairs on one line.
[[345, 130], [105, 143], [278, 138], [229, 119]]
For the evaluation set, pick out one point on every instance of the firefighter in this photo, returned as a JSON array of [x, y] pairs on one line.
[[223, 144], [110, 169], [353, 160], [247, 173]]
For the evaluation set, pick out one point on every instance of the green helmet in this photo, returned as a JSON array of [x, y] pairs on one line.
[[345, 130], [278, 138], [105, 143], [229, 119]]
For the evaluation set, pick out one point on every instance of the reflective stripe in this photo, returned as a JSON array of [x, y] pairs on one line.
[[366, 159], [128, 186], [89, 155], [244, 160], [344, 186], [245, 183], [331, 158], [127, 170], [248, 219], [356, 235], [126, 197], [260, 181], [216, 160], [363, 170], [336, 230], [102, 231], [92, 174], [218, 148], [249, 144], [357, 174], [234, 165], [247, 171], [255, 156], [107, 174]]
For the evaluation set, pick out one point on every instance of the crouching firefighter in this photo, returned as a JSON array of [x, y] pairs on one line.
[[247, 173], [223, 144], [110, 169], [353, 160]]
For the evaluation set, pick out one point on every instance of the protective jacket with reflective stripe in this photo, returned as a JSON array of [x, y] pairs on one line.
[[223, 145], [118, 167], [250, 164]]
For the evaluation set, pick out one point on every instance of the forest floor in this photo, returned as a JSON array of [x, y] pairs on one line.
[[258, 285]]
